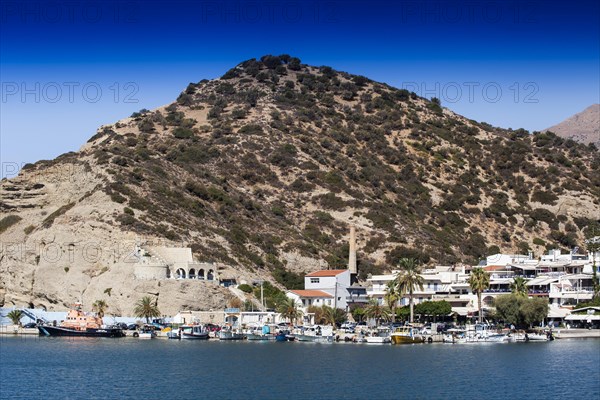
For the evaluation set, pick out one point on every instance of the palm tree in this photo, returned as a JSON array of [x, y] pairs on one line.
[[99, 307], [289, 309], [408, 280], [15, 316], [519, 286], [479, 281], [146, 308], [376, 311], [333, 316], [391, 297]]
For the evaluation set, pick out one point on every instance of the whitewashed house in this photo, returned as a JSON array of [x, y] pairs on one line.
[[307, 298], [332, 281]]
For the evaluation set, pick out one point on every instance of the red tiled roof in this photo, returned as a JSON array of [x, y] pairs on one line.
[[311, 293], [326, 272], [495, 268]]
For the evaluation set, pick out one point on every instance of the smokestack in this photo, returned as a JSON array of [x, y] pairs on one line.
[[352, 255]]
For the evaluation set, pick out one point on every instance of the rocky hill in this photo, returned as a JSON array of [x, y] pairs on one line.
[[265, 169], [583, 127]]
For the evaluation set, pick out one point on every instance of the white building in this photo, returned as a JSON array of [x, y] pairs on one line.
[[334, 282], [507, 259], [307, 298]]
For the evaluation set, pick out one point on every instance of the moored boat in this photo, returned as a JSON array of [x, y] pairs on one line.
[[193, 332], [263, 333], [79, 323], [382, 335], [230, 334], [317, 333], [406, 335]]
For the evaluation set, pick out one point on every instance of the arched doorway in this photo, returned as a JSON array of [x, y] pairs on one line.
[[192, 274], [180, 273], [211, 275], [201, 273]]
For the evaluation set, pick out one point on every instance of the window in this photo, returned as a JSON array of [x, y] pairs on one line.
[[314, 280]]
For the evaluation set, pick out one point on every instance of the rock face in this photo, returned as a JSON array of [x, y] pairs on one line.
[[264, 170], [583, 127]]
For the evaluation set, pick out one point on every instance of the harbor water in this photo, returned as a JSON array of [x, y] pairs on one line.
[[75, 368]]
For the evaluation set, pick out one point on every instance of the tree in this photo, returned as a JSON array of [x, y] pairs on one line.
[[391, 298], [479, 281], [534, 310], [146, 308], [519, 286], [408, 280], [376, 311], [333, 316], [433, 308], [521, 311], [289, 309], [99, 307], [358, 313], [15, 316]]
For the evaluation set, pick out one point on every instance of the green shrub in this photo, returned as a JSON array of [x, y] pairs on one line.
[[245, 288], [544, 197], [183, 133], [8, 221], [49, 220]]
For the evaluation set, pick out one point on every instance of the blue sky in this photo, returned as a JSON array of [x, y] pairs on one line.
[[68, 67]]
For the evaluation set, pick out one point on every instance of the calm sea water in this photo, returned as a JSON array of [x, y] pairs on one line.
[[62, 368]]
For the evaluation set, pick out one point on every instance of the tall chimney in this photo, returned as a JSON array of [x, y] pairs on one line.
[[352, 255]]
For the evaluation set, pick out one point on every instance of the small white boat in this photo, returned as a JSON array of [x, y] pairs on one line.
[[483, 333], [529, 337], [228, 334], [316, 333], [381, 336], [146, 335]]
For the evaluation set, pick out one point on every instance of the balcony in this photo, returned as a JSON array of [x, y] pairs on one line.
[[357, 299]]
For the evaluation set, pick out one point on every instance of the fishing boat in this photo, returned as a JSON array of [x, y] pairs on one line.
[[230, 334], [528, 337], [193, 332], [263, 333], [316, 333], [146, 334], [79, 323], [483, 333], [380, 336], [406, 334], [454, 335]]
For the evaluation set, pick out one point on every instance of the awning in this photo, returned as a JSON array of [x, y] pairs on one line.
[[541, 281], [555, 312], [583, 317], [463, 311]]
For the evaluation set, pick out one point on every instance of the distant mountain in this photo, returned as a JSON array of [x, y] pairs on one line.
[[265, 169], [583, 127]]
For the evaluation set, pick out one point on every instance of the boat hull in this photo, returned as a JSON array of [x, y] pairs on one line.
[[400, 339], [230, 336], [314, 338], [253, 336], [378, 339], [46, 330], [195, 336]]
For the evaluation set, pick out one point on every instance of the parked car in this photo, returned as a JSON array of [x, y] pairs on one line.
[[121, 325], [30, 325], [132, 327]]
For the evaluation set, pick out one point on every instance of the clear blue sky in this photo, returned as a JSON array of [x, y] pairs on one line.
[[69, 67]]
